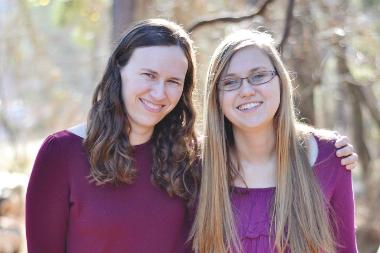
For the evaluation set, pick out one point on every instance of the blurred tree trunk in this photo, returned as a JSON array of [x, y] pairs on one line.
[[357, 123], [122, 16], [305, 59], [287, 24]]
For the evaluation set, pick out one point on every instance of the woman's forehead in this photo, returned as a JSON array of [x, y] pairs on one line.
[[168, 60], [248, 59]]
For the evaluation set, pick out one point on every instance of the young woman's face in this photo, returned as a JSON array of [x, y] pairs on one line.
[[250, 106], [152, 84]]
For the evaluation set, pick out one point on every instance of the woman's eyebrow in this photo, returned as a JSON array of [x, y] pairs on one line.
[[156, 73], [177, 79], [149, 70], [250, 71]]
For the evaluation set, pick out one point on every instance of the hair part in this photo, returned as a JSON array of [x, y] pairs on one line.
[[175, 147], [299, 219]]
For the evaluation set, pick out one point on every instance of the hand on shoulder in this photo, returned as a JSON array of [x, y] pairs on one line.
[[344, 149]]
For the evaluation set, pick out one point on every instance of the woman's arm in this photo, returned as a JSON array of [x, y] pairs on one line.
[[47, 200], [342, 204]]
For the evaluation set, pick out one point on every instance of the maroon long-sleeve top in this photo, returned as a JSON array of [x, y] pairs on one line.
[[67, 214]]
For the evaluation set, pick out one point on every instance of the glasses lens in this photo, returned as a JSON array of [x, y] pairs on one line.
[[260, 77], [229, 84]]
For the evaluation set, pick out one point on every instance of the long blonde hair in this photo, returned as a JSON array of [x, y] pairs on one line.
[[299, 217]]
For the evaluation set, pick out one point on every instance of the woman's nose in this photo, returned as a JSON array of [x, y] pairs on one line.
[[158, 90], [246, 89]]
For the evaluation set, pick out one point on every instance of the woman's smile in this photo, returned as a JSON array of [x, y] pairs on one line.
[[249, 107], [150, 106]]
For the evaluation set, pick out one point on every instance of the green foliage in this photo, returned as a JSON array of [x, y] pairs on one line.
[[83, 16], [65, 12], [371, 4], [364, 72], [39, 2]]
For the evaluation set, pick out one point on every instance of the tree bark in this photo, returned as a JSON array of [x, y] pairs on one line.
[[288, 25], [305, 58], [122, 17]]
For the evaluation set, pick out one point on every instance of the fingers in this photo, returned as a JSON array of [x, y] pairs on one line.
[[345, 151], [350, 161], [351, 166], [341, 141]]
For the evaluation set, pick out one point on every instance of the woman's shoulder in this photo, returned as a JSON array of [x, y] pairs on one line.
[[328, 167], [60, 156], [325, 140], [320, 143], [59, 151], [61, 140]]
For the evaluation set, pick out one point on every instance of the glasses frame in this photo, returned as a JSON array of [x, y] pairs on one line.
[[241, 79]]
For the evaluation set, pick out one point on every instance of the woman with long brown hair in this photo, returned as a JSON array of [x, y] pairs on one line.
[[122, 183], [269, 183]]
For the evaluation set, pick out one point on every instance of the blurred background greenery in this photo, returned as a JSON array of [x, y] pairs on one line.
[[53, 53]]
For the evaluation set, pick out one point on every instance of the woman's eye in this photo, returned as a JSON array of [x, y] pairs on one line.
[[229, 82], [148, 75], [258, 76], [173, 83]]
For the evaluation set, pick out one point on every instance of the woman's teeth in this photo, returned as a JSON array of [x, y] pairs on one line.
[[151, 105], [248, 106]]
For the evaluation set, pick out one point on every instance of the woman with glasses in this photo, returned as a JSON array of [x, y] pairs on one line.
[[269, 183]]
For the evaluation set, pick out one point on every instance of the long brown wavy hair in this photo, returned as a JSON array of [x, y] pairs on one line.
[[299, 219], [174, 141]]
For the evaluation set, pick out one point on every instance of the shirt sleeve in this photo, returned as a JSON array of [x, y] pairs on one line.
[[47, 200], [342, 203]]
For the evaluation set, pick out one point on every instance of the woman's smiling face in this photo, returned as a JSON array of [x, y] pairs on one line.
[[152, 84], [250, 106]]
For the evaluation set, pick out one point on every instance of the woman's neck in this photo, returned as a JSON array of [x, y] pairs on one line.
[[140, 136], [256, 156], [255, 146]]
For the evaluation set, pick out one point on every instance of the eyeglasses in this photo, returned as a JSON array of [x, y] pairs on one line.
[[255, 79]]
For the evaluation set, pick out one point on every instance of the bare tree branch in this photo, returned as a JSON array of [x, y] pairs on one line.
[[288, 25], [229, 18]]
